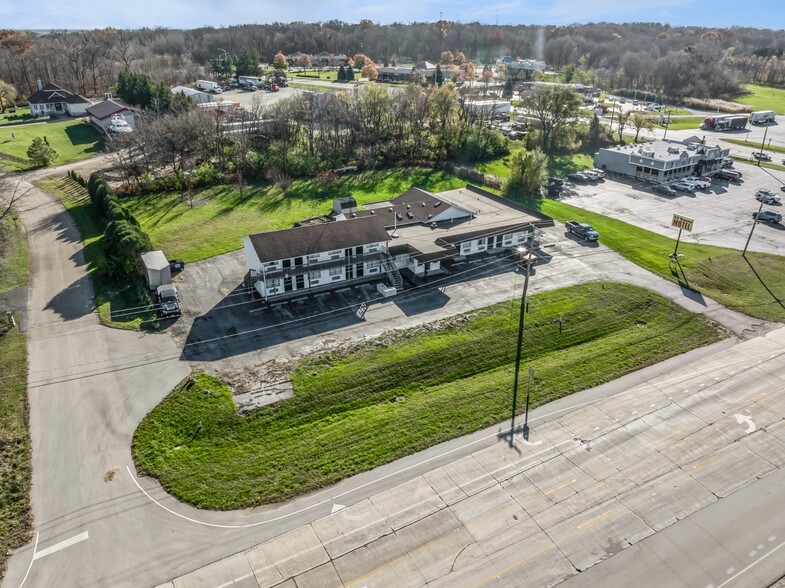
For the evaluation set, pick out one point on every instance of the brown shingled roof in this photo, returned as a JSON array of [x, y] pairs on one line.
[[51, 93], [312, 239], [108, 108]]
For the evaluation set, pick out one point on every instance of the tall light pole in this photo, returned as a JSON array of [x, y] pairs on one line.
[[520, 342], [752, 230], [763, 143]]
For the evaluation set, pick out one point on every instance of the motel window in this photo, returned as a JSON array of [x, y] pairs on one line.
[[335, 271]]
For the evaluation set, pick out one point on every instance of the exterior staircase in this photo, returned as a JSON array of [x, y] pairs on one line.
[[392, 272]]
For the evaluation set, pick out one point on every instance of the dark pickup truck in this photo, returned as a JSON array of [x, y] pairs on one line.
[[582, 230]]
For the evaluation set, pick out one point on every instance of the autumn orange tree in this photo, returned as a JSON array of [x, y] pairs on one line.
[[279, 61]]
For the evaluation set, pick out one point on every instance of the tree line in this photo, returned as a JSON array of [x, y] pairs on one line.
[[672, 61]]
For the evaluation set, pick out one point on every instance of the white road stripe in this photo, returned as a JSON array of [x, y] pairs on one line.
[[62, 545]]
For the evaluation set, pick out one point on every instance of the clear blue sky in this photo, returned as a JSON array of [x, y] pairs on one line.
[[50, 14]]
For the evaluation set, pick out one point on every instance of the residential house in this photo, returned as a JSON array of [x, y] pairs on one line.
[[325, 59], [51, 99], [417, 233], [104, 112]]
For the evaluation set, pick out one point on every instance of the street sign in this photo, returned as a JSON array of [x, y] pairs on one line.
[[682, 222]]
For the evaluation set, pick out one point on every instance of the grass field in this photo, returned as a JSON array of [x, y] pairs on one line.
[[15, 474], [21, 114], [72, 139], [16, 517], [371, 405], [755, 146], [684, 122], [755, 286], [315, 87], [182, 232], [763, 98], [113, 299], [13, 255], [317, 75]]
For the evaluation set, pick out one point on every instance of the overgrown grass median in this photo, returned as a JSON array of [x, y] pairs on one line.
[[16, 517], [365, 406], [15, 474]]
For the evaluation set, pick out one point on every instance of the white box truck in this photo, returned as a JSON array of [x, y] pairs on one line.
[[208, 86], [762, 117]]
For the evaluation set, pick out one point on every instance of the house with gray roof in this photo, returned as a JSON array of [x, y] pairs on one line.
[[51, 99]]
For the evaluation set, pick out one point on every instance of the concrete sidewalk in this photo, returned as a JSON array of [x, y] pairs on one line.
[[584, 487]]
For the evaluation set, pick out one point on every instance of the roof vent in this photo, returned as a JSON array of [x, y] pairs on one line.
[[437, 204], [399, 216], [373, 213], [407, 206], [391, 209], [410, 214], [423, 204]]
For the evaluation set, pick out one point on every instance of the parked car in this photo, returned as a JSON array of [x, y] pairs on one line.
[[177, 265], [582, 230], [556, 181], [653, 107], [579, 177], [730, 175], [761, 156], [767, 216], [599, 172], [682, 186], [119, 126], [663, 189], [698, 183], [727, 162], [168, 302], [767, 196], [592, 175]]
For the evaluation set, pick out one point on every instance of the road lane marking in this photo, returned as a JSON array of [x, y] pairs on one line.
[[30, 567], [230, 582], [753, 564], [62, 545]]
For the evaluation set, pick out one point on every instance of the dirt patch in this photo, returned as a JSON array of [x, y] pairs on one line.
[[111, 475]]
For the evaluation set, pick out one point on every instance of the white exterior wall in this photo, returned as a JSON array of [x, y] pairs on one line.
[[310, 279], [78, 109]]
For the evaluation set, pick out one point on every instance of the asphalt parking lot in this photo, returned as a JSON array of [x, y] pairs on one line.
[[723, 213]]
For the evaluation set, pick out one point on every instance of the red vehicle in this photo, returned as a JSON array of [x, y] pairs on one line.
[[273, 88]]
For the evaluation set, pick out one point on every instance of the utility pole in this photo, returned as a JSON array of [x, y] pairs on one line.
[[752, 230], [520, 341]]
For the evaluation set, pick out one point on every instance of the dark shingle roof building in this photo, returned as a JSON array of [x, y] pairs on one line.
[[51, 99]]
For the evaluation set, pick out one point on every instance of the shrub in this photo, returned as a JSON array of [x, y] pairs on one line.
[[481, 144], [204, 175]]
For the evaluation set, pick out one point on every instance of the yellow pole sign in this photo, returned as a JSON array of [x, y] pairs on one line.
[[682, 222]]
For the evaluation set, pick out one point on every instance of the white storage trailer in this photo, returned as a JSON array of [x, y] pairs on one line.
[[208, 86], [762, 117], [156, 269]]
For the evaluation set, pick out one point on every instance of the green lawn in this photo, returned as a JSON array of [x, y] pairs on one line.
[[755, 286], [755, 146], [315, 88], [371, 405], [72, 139], [21, 114], [763, 98], [122, 304], [317, 75], [678, 111], [13, 255], [16, 517], [15, 475], [681, 123], [558, 165], [182, 232]]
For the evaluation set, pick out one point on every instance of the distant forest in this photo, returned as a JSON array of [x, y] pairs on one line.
[[675, 62]]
